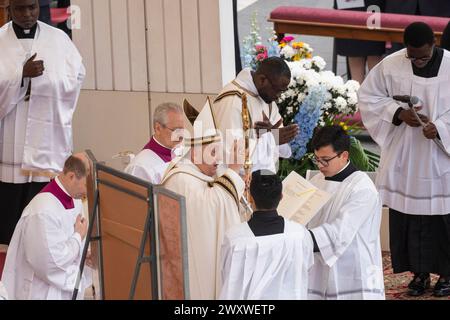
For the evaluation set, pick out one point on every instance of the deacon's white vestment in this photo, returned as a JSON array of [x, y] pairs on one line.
[[148, 166], [44, 255], [36, 135], [211, 209], [347, 232], [414, 174], [266, 267], [227, 109]]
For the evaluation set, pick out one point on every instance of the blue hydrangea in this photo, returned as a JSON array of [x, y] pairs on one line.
[[307, 118]]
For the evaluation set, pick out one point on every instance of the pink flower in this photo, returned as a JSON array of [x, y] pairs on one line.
[[287, 39], [261, 56], [260, 48]]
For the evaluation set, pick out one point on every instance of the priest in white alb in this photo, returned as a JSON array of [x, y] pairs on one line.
[[41, 73], [262, 88], [151, 163], [44, 256], [414, 173], [211, 202], [267, 257], [346, 231]]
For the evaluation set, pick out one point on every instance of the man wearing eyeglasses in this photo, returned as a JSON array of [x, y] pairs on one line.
[[151, 163], [346, 231], [414, 173]]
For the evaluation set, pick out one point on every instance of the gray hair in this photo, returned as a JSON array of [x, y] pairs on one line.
[[160, 115]]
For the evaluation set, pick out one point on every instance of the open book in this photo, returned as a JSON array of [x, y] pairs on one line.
[[301, 200]]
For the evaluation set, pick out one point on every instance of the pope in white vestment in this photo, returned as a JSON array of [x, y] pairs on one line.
[[44, 255], [346, 231], [211, 203], [35, 110]]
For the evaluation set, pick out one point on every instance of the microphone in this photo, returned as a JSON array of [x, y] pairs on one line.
[[407, 99]]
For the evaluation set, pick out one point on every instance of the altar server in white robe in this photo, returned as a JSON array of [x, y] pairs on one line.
[[211, 201], [44, 256], [414, 173], [262, 88], [267, 257], [41, 73], [346, 231], [151, 163]]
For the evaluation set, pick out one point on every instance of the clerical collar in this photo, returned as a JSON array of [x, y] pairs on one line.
[[163, 152], [343, 174], [24, 33], [431, 70], [265, 223], [56, 188]]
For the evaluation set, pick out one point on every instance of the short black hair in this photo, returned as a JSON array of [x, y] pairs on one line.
[[266, 189], [274, 67], [418, 34], [331, 135]]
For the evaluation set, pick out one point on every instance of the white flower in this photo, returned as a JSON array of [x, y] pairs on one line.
[[352, 85], [290, 110], [341, 90], [301, 96], [307, 64], [327, 105], [288, 52], [341, 104], [319, 62], [352, 98], [290, 93]]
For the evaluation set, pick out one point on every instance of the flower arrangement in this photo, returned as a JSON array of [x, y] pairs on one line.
[[315, 97]]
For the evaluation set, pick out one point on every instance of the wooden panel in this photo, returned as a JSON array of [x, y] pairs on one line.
[[174, 46], [138, 55], [210, 46], [191, 46], [102, 38], [120, 45], [84, 40], [3, 12], [156, 45]]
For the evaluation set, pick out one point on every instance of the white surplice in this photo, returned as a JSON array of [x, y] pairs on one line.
[[3, 293], [347, 232], [210, 210], [44, 255], [36, 135], [414, 174], [228, 113], [269, 267], [148, 166]]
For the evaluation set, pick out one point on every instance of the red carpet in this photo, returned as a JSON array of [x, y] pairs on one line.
[[396, 285]]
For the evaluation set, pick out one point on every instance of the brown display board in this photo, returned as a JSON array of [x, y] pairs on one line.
[[142, 246]]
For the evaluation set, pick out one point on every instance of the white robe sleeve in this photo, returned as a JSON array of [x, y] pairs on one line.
[[443, 127], [51, 254], [376, 106], [146, 174], [334, 237], [284, 150]]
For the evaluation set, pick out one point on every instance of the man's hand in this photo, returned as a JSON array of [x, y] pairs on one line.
[[33, 69], [408, 117], [285, 134], [430, 131], [81, 226], [89, 261]]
